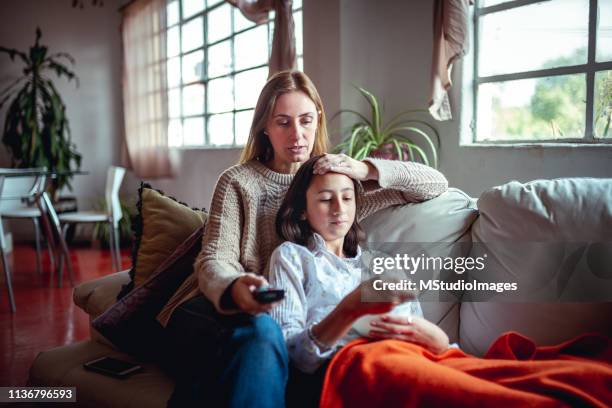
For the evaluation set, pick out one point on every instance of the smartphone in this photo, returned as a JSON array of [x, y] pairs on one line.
[[112, 367], [268, 294]]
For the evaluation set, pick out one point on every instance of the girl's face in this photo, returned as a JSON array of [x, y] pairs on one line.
[[330, 207], [291, 130]]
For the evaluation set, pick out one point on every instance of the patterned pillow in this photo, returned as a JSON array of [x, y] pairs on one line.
[[161, 224], [131, 324]]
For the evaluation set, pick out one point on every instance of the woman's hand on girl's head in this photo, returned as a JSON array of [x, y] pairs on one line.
[[415, 330], [242, 294], [341, 163]]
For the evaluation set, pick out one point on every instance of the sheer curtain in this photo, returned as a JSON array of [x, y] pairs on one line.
[[145, 98], [283, 56], [451, 42]]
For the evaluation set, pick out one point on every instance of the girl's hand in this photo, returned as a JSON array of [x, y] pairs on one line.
[[415, 330], [242, 294], [353, 305], [341, 163]]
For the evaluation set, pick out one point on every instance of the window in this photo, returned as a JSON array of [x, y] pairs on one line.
[[217, 65], [542, 71]]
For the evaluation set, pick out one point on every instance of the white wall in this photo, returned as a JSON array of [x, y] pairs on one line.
[[91, 35]]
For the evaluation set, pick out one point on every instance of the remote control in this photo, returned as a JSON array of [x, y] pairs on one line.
[[267, 294]]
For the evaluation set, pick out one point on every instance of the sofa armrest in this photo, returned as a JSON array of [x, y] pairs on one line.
[[97, 295]]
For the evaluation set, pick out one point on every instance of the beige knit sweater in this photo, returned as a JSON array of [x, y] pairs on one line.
[[240, 234]]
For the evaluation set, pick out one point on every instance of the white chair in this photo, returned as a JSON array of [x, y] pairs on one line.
[[17, 200], [18, 194], [112, 215]]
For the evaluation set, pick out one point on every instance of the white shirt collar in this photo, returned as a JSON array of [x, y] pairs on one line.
[[320, 248]]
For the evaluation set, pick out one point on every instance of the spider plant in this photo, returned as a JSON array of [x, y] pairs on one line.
[[395, 139], [36, 130]]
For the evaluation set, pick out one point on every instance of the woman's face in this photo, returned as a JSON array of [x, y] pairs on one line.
[[291, 130], [330, 206]]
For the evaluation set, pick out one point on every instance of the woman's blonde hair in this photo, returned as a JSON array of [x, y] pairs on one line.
[[258, 145]]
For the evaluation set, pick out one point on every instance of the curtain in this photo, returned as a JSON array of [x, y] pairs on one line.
[[283, 42], [145, 98], [451, 42]]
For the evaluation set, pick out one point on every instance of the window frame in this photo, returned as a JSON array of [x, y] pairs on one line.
[[589, 69], [204, 48]]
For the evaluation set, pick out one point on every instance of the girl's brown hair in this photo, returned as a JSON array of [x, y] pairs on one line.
[[290, 222], [258, 145]]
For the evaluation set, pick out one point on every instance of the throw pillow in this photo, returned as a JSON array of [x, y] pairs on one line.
[[131, 324], [161, 224]]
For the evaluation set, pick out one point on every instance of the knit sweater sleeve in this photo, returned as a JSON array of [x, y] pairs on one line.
[[218, 263], [400, 182]]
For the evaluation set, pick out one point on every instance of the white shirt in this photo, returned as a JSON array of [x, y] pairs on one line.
[[315, 281]]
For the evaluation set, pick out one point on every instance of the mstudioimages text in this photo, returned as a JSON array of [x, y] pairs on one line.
[[440, 285]]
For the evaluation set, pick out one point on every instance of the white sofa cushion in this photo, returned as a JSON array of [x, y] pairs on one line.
[[528, 227], [444, 221]]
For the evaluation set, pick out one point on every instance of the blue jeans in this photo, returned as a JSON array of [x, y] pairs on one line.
[[225, 360]]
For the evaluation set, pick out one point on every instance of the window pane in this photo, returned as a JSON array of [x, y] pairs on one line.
[[175, 133], [240, 21], [219, 59], [297, 18], [297, 4], [604, 31], [192, 66], [300, 63], [193, 132], [219, 23], [221, 129], [172, 41], [191, 7], [243, 126], [528, 38], [174, 103], [193, 35], [248, 87], [220, 95], [172, 13], [174, 72], [193, 100], [603, 105], [542, 108], [251, 48]]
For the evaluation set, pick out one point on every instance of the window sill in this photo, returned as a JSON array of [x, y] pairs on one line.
[[538, 145]]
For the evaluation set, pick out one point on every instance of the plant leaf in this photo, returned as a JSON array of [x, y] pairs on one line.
[[425, 136]]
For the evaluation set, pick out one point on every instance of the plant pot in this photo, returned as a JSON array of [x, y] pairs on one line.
[[389, 152]]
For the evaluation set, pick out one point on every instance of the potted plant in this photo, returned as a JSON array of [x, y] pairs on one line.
[[36, 130], [393, 140]]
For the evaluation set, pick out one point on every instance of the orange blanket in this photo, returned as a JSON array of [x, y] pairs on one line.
[[514, 372]]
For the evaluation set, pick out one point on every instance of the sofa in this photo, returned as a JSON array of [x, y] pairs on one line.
[[554, 234]]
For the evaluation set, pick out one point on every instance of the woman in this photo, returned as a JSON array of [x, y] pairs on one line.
[[222, 335]]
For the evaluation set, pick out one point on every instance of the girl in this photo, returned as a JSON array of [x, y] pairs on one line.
[[319, 268]]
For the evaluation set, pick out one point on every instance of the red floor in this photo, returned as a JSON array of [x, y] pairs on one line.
[[46, 316]]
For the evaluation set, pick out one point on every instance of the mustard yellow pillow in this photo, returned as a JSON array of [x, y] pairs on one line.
[[161, 225]]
